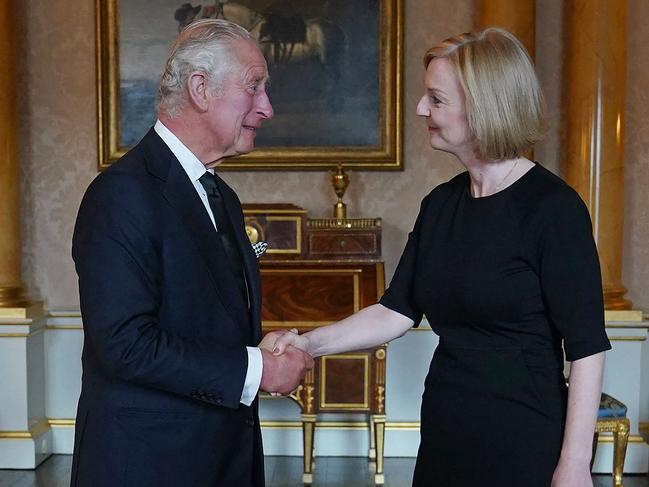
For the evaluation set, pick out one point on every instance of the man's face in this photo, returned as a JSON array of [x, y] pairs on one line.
[[237, 112]]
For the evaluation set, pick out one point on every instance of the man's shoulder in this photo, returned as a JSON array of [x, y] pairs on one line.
[[129, 172], [125, 187], [123, 177], [134, 160]]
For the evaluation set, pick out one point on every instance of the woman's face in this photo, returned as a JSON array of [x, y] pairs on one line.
[[443, 106]]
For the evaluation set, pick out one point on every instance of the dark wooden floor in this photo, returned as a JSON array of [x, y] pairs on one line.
[[280, 472]]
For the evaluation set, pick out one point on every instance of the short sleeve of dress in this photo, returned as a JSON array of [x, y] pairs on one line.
[[570, 275], [399, 296]]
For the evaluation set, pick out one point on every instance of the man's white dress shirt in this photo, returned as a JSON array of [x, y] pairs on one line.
[[195, 169]]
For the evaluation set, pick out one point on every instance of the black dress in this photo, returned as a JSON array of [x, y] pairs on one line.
[[502, 280]]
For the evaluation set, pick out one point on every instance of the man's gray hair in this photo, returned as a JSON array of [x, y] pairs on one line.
[[205, 46]]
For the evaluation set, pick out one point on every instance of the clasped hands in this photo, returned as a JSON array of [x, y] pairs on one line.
[[286, 361]]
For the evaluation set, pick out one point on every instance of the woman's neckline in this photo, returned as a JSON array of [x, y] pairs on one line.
[[525, 175]]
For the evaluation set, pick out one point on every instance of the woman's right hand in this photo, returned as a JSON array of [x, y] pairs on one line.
[[291, 337]]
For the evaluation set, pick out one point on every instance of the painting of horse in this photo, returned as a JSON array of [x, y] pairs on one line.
[[318, 38], [284, 38], [238, 13]]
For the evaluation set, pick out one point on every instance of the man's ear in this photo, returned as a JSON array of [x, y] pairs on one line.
[[198, 90]]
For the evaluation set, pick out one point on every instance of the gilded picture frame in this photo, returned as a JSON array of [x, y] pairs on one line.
[[341, 105]]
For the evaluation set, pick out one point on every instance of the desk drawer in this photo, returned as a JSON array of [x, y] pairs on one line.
[[352, 244], [309, 295]]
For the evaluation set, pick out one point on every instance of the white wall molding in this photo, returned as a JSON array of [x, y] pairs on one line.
[[25, 436], [61, 337]]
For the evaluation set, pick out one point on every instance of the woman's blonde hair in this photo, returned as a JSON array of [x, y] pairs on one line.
[[504, 103]]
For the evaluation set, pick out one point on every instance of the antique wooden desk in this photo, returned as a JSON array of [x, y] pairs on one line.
[[316, 272]]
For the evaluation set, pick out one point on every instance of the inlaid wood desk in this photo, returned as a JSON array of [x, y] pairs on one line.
[[316, 272], [305, 294]]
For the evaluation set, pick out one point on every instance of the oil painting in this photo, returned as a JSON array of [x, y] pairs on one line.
[[334, 66]]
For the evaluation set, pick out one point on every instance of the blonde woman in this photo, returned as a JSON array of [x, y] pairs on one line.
[[502, 262]]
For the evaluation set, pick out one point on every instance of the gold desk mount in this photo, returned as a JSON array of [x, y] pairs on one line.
[[340, 181]]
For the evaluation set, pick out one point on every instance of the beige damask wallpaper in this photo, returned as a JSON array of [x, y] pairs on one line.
[[636, 219], [57, 142]]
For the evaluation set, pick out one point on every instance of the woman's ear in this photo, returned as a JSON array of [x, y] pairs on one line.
[[198, 90]]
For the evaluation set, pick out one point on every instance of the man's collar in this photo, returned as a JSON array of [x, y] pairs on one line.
[[189, 162]]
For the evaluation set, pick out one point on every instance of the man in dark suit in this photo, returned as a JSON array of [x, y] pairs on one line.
[[169, 287]]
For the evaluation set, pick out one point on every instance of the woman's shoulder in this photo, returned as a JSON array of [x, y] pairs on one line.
[[547, 181], [546, 193], [455, 185]]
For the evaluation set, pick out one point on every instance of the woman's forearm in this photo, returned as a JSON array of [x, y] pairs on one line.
[[366, 328], [583, 402]]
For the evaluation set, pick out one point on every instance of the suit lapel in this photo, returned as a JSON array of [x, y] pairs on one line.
[[250, 263], [182, 196]]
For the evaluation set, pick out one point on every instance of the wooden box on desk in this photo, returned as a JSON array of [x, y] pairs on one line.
[[281, 226], [349, 238]]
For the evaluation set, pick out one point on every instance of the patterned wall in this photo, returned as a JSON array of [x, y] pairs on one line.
[[635, 267], [57, 142]]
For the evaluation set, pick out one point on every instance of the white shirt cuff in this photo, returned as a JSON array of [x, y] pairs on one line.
[[253, 376]]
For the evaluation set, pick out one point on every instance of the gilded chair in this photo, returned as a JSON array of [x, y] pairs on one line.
[[611, 418]]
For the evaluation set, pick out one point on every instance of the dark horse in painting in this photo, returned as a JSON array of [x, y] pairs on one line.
[[235, 12], [283, 39]]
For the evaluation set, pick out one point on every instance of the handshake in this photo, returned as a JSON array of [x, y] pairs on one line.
[[286, 361]]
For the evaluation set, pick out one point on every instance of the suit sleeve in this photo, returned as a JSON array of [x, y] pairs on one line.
[[117, 264]]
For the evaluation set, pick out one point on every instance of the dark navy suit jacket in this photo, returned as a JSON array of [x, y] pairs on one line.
[[165, 327]]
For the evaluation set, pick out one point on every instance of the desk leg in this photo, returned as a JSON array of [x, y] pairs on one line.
[[379, 435], [372, 452], [308, 430]]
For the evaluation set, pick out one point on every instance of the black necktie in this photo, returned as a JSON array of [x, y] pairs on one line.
[[225, 231]]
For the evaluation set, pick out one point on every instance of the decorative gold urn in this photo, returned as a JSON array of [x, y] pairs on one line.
[[340, 181]]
